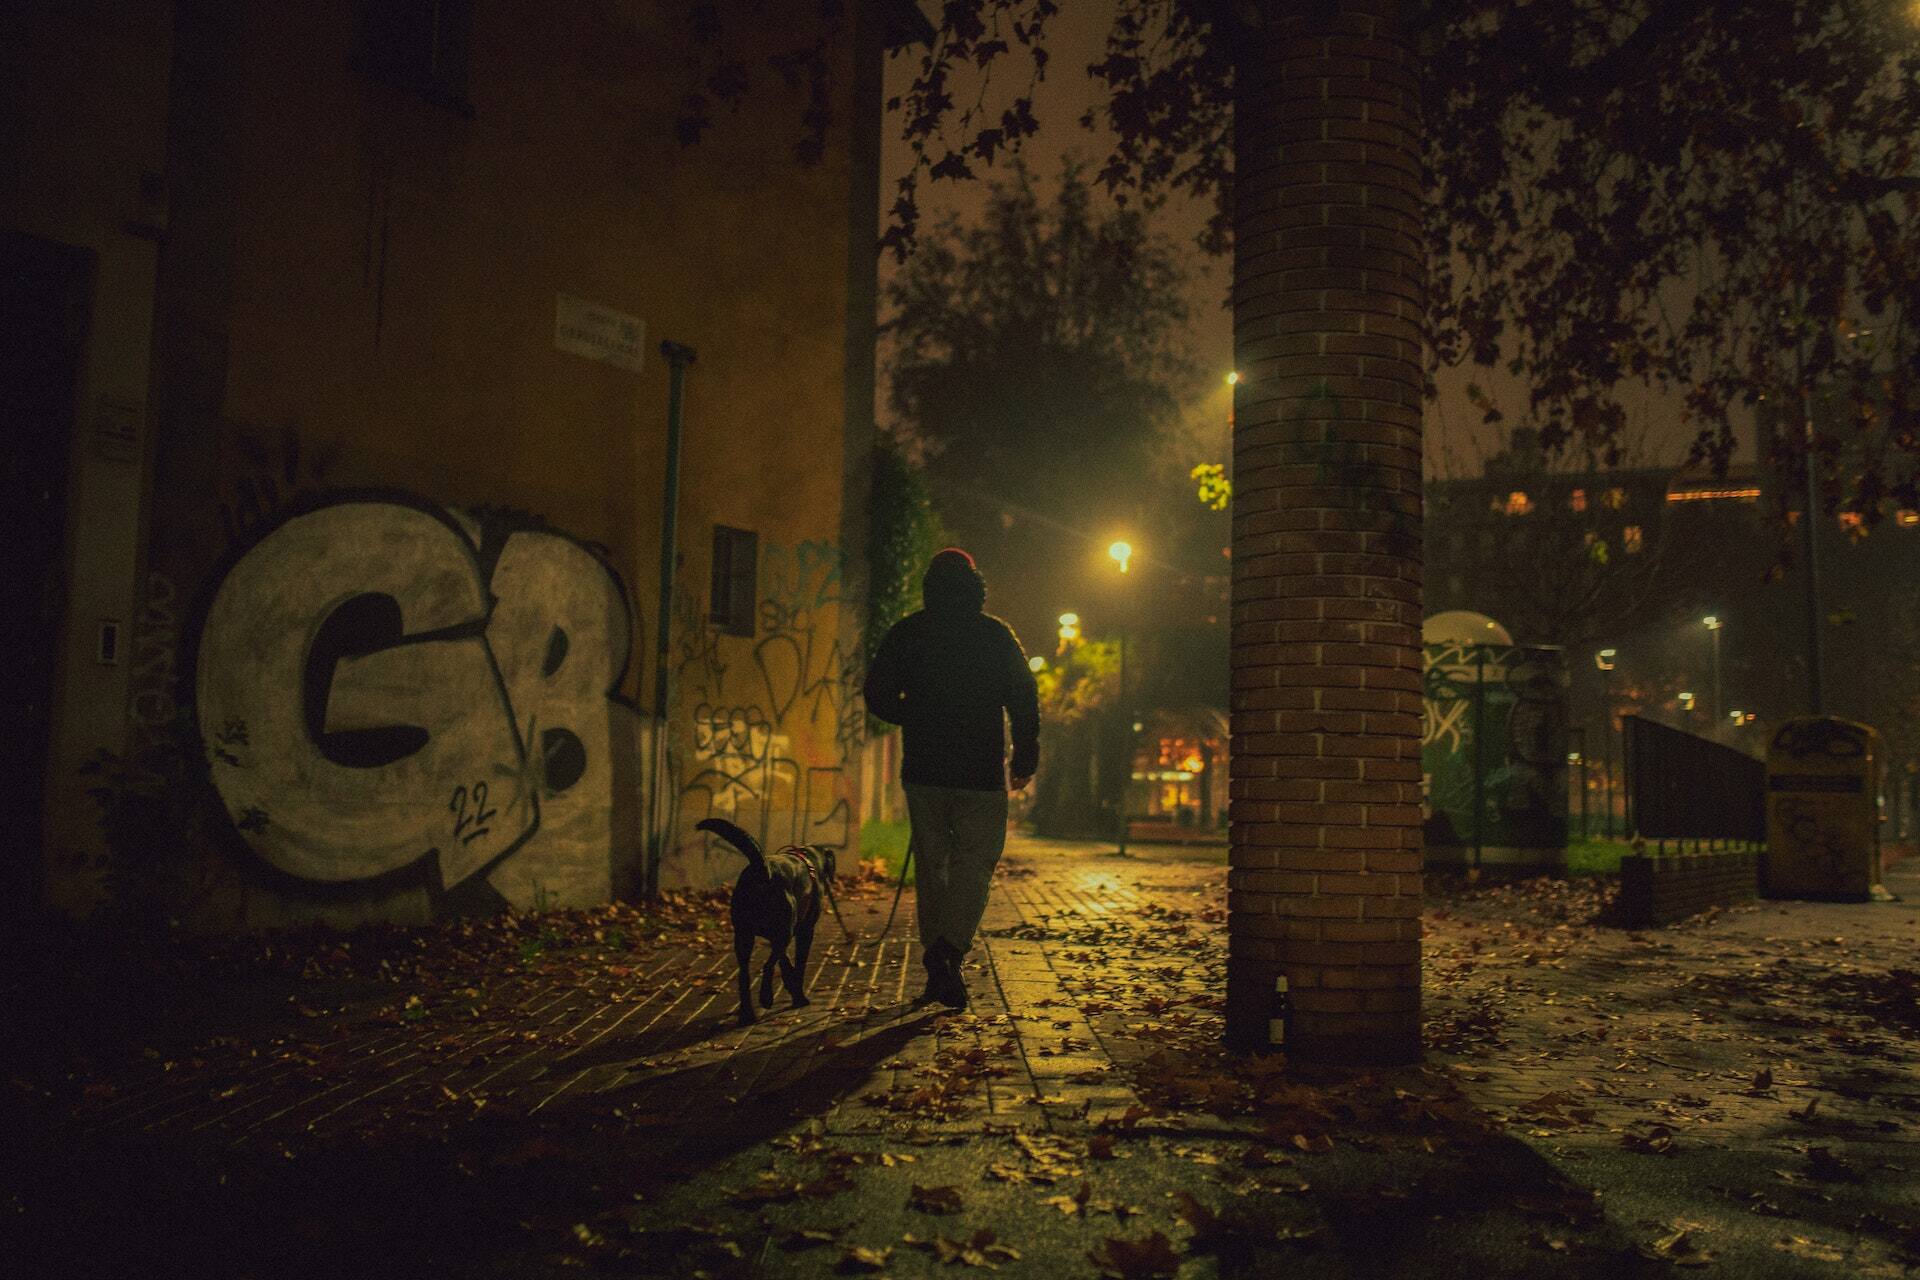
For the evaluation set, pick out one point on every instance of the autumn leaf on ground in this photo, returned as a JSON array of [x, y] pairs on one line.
[[1232, 1237], [1801, 1246], [1151, 1255], [1065, 1204], [934, 1199], [979, 1250], [1678, 1246], [1657, 1140], [860, 1258]]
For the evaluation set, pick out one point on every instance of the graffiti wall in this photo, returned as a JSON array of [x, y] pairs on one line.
[[1495, 740], [387, 689], [770, 727]]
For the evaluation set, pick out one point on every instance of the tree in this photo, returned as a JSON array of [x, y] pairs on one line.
[[903, 532], [1608, 199], [1598, 198], [1034, 356]]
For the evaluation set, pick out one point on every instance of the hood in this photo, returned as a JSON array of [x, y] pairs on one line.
[[953, 584]]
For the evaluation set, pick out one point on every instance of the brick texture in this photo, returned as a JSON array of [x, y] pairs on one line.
[[1661, 889], [1328, 319]]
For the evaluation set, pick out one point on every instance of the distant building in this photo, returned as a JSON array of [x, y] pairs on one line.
[[1636, 560], [334, 347]]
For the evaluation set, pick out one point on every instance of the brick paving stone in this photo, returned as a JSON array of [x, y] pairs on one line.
[[1750, 1030]]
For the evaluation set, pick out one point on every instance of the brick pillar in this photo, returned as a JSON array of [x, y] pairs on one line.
[[1325, 886]]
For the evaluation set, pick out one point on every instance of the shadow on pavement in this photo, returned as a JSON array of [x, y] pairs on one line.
[[396, 1200]]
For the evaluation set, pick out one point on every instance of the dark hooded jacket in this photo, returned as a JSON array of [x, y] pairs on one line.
[[944, 675]]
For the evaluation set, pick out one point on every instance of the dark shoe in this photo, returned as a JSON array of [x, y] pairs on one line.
[[950, 989], [935, 959]]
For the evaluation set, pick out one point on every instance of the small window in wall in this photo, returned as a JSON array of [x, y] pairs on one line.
[[417, 45], [736, 566], [1632, 539]]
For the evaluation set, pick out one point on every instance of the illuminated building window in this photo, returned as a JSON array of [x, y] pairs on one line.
[[1630, 539], [1849, 519], [1750, 493], [1615, 498], [1578, 500], [1907, 519], [1518, 504]]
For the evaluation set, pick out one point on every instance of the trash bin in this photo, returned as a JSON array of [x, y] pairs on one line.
[[1823, 829]]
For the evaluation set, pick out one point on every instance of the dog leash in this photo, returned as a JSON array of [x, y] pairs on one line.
[[905, 866], [826, 883], [835, 904]]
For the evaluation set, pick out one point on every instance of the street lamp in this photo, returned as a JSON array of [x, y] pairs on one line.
[[1069, 630], [1606, 660], [1036, 664], [1713, 625], [1122, 553]]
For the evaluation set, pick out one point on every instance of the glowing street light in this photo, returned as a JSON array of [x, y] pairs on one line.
[[1036, 664], [1233, 379], [1069, 630], [1605, 659], [1123, 552]]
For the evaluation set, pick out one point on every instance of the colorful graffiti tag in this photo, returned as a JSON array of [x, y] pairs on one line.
[[797, 684], [385, 684]]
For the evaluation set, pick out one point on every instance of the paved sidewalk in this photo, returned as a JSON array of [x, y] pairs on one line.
[[1741, 1091]]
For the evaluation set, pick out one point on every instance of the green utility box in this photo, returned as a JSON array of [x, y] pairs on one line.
[[1823, 828]]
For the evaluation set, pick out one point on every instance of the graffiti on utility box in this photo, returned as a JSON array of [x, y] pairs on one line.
[[383, 683], [1515, 698]]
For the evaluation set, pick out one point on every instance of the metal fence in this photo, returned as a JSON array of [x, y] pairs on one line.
[[1684, 787]]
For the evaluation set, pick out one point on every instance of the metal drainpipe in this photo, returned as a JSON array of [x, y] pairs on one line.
[[678, 357]]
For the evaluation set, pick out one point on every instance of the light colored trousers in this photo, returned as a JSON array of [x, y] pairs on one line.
[[958, 837]]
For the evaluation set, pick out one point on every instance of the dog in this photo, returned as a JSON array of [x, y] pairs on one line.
[[779, 898]]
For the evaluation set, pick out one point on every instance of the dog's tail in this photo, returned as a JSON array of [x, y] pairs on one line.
[[734, 836]]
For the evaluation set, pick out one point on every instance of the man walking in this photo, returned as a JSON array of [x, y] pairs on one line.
[[945, 675]]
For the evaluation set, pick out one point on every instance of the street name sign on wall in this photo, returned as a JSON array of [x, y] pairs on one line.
[[598, 333]]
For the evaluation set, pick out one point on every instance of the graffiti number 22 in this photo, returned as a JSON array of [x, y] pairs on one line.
[[469, 826]]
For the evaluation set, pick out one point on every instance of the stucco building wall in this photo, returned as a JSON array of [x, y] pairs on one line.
[[407, 549]]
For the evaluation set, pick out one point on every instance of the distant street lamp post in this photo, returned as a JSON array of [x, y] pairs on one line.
[[1713, 625], [1810, 518], [1122, 554], [1605, 661]]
